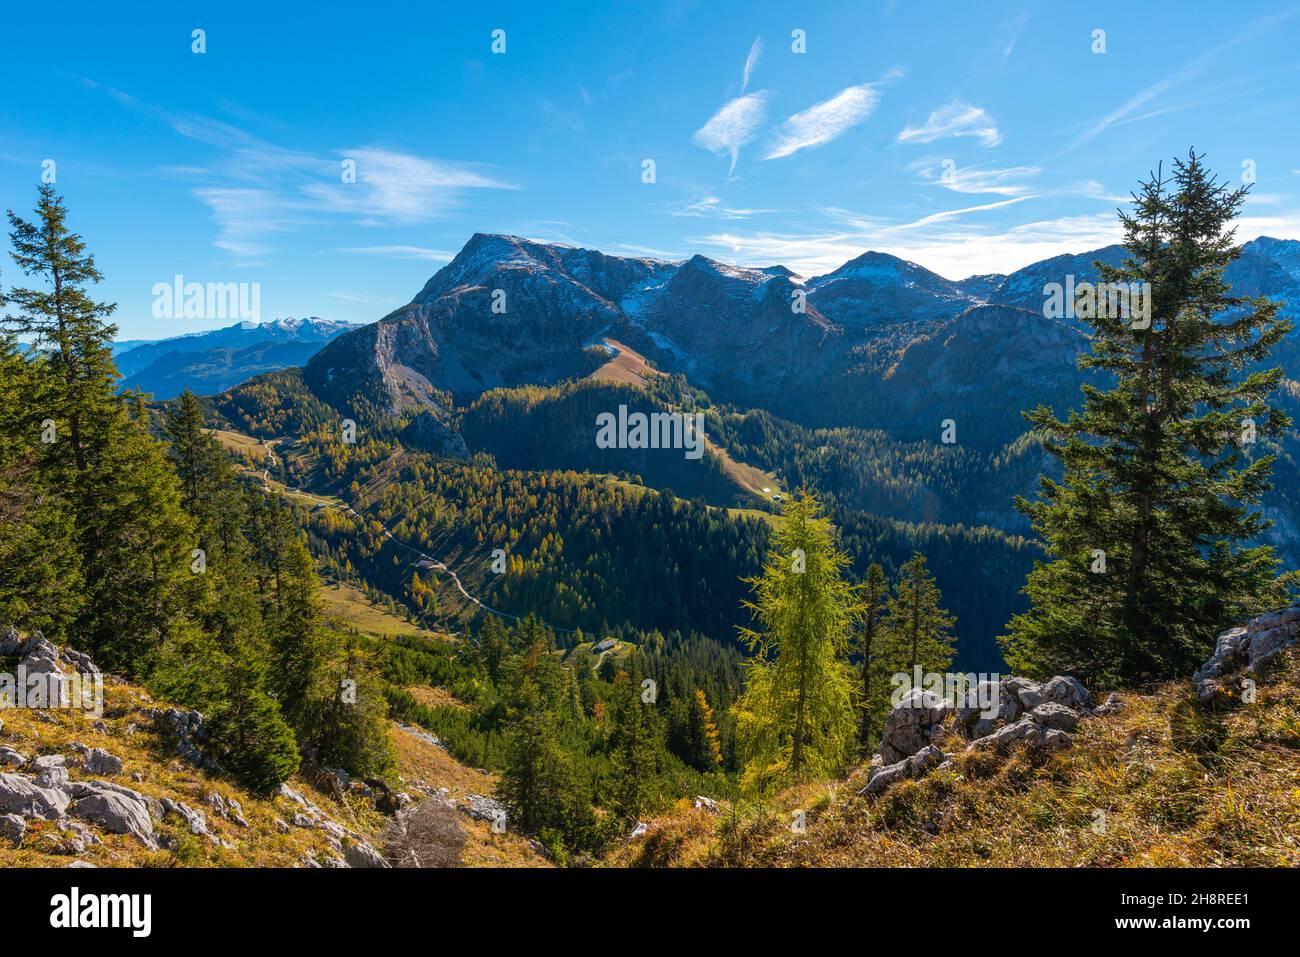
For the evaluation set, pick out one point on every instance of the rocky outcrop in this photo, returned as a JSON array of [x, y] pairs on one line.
[[994, 716], [913, 767], [21, 795], [118, 810], [1247, 650]]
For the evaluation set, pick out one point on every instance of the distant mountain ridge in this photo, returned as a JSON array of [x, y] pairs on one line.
[[214, 360]]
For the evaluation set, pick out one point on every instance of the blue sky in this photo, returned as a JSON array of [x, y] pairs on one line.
[[969, 137]]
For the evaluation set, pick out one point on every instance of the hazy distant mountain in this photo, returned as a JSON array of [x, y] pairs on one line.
[[212, 361]]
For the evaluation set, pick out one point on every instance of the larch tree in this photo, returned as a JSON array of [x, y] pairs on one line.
[[795, 717]]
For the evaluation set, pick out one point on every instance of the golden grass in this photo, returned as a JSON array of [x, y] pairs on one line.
[[146, 751], [1163, 783], [419, 762]]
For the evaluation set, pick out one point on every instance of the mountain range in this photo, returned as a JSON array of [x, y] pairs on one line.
[[881, 342], [214, 360]]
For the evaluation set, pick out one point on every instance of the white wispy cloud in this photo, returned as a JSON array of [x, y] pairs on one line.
[[714, 207], [254, 188], [751, 61], [1009, 181], [402, 252], [398, 188], [957, 118], [824, 121], [736, 124], [247, 218], [941, 242]]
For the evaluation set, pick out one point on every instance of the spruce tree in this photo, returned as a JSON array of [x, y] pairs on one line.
[[132, 537], [636, 750], [795, 717], [918, 630], [40, 567], [875, 595], [1153, 529]]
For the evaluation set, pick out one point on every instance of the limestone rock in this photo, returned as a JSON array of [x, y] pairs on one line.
[[13, 828], [99, 761], [1028, 693], [913, 766], [1068, 691], [194, 819], [362, 854], [118, 813], [908, 727], [707, 804], [21, 795], [1049, 714]]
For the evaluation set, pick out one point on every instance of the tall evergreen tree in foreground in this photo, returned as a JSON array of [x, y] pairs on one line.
[[795, 717], [1150, 528], [129, 531]]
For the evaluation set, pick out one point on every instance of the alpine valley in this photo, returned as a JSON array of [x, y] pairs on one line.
[[893, 393]]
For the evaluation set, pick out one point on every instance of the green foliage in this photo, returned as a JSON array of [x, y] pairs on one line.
[[1160, 482], [795, 718]]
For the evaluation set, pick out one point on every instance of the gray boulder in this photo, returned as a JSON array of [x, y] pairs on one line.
[[914, 766], [194, 819], [1068, 691], [361, 854], [118, 813], [99, 761], [1247, 649], [1028, 693], [55, 777], [21, 795], [12, 829], [1049, 714], [911, 724], [81, 789], [973, 718], [11, 758]]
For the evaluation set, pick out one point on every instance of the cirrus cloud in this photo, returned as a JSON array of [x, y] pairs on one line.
[[957, 118], [823, 122]]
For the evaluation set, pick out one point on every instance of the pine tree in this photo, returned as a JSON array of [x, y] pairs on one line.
[[40, 568], [796, 716], [636, 750], [132, 537], [63, 318], [537, 781], [875, 594], [918, 629], [1151, 528]]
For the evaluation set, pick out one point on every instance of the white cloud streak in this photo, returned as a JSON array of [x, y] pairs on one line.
[[825, 121], [736, 124], [751, 61], [956, 118]]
